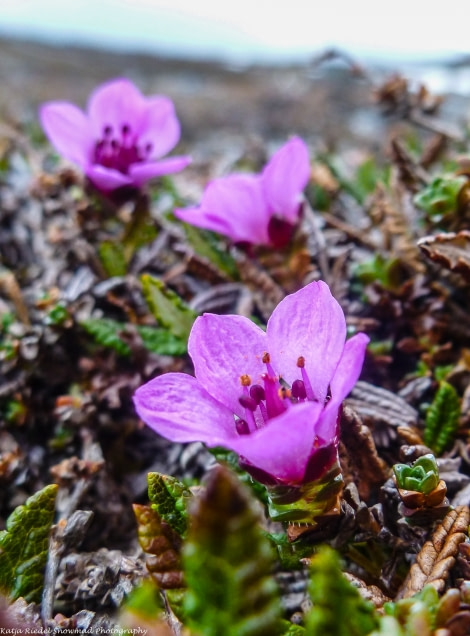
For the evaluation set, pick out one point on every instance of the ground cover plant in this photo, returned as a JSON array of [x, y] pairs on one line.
[[233, 401]]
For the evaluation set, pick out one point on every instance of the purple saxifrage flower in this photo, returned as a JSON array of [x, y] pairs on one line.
[[272, 397], [260, 209], [120, 139]]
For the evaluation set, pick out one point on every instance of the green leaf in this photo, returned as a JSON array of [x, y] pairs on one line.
[[422, 476], [228, 562], [388, 272], [161, 341], [209, 246], [107, 333], [442, 418], [167, 307], [440, 197], [417, 614], [112, 258], [338, 608], [169, 498], [24, 545]]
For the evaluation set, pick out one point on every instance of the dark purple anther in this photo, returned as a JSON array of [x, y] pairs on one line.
[[298, 390], [257, 393], [248, 402], [242, 427]]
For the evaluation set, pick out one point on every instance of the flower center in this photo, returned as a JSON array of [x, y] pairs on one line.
[[272, 398], [119, 148]]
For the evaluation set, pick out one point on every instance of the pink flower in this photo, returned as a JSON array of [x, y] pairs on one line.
[[272, 397], [259, 209], [119, 140]]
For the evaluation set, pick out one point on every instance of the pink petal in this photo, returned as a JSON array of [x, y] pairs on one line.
[[236, 204], [116, 103], [283, 447], [178, 408], [142, 172], [285, 177], [107, 179], [68, 130], [222, 349], [309, 323], [349, 367], [159, 126]]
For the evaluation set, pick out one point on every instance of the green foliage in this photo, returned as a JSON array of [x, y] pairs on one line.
[[228, 563], [288, 552], [167, 307], [422, 476], [57, 315], [338, 608], [169, 498], [368, 174], [14, 412], [442, 418], [388, 272], [440, 197], [208, 245], [230, 459], [112, 258], [306, 502], [24, 545], [107, 332], [417, 614], [144, 601]]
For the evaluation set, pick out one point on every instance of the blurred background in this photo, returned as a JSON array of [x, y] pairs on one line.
[[261, 67]]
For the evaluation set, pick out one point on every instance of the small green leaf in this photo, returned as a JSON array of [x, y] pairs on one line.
[[208, 245], [338, 608], [228, 563], [442, 418], [440, 197], [388, 272], [422, 476], [162, 341], [112, 258], [106, 332], [24, 545], [169, 497], [167, 307]]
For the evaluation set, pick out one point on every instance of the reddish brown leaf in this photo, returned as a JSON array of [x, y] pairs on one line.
[[449, 249]]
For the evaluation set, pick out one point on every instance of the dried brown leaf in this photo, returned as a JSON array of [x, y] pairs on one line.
[[266, 291], [379, 405], [438, 555], [358, 454], [449, 249]]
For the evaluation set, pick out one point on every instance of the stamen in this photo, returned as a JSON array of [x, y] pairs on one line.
[[308, 387], [274, 404], [248, 402], [266, 358], [257, 393], [284, 393], [242, 427], [125, 130], [107, 131], [245, 380], [298, 390]]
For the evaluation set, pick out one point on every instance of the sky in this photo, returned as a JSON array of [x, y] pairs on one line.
[[249, 30]]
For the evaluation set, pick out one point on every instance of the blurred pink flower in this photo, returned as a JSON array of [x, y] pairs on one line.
[[119, 140], [272, 397], [259, 209]]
